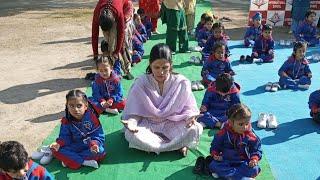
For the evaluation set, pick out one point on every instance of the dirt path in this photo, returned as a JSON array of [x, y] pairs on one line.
[[45, 51]]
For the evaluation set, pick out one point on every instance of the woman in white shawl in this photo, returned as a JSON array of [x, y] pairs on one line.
[[161, 111]]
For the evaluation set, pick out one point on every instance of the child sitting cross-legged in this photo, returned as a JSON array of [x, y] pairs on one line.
[[219, 97]]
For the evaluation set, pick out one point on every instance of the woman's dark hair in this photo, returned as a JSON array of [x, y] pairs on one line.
[[159, 51], [104, 60], [224, 82], [298, 45], [75, 93], [140, 11], [13, 156], [106, 20], [239, 112], [308, 13]]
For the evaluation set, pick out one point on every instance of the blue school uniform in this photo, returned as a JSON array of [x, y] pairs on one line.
[[35, 172], [77, 137], [138, 49], [146, 21], [213, 67], [314, 102], [203, 34], [106, 89], [307, 32], [299, 9], [236, 150], [297, 72], [208, 47], [217, 105], [198, 28], [252, 33], [262, 46], [143, 32]]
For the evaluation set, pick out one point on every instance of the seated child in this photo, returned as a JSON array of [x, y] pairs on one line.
[[263, 49], [295, 72], [314, 105], [216, 65], [15, 163], [218, 36], [200, 25], [106, 88], [253, 31], [236, 149], [205, 32], [137, 47], [81, 138], [218, 98], [307, 31], [140, 27], [116, 64], [146, 21]]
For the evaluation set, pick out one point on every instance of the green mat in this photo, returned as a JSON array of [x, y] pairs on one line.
[[124, 163]]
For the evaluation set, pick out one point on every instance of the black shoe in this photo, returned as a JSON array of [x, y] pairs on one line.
[[90, 76], [206, 169], [242, 59], [198, 167], [249, 59], [128, 76]]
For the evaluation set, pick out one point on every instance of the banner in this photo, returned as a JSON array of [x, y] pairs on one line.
[[277, 12]]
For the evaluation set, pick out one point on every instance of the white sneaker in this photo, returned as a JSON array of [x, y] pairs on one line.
[[282, 43], [305, 86], [47, 157], [272, 121], [215, 175], [192, 59], [194, 85], [262, 120], [37, 155], [198, 48], [275, 87], [112, 111], [257, 60], [268, 86], [197, 60], [200, 86]]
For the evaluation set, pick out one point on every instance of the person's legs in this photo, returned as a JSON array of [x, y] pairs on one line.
[[154, 22], [183, 41]]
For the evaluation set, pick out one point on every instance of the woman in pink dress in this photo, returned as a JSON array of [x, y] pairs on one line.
[[161, 110]]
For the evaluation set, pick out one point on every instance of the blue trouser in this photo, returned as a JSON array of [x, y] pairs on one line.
[[312, 41], [289, 83], [248, 42], [73, 155], [117, 67], [266, 57], [234, 170], [210, 121], [204, 57]]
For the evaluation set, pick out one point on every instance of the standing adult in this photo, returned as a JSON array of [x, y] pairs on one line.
[[172, 13], [111, 16], [151, 9], [160, 114], [190, 9]]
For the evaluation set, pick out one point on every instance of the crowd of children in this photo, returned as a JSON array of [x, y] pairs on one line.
[[235, 150]]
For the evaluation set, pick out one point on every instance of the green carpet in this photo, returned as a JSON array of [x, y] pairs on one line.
[[124, 163]]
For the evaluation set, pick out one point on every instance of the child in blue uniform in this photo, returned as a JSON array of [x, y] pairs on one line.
[[200, 25], [218, 36], [314, 105], [254, 31], [218, 98], [216, 65], [205, 32], [81, 138], [15, 164], [137, 47], [106, 88], [146, 21], [236, 149], [140, 27], [307, 31], [299, 9], [263, 49], [295, 72]]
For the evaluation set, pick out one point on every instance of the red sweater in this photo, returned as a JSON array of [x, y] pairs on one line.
[[117, 7]]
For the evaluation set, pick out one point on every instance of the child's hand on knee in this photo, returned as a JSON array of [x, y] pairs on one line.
[[255, 54], [203, 109], [253, 163], [55, 146], [94, 149], [270, 51]]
